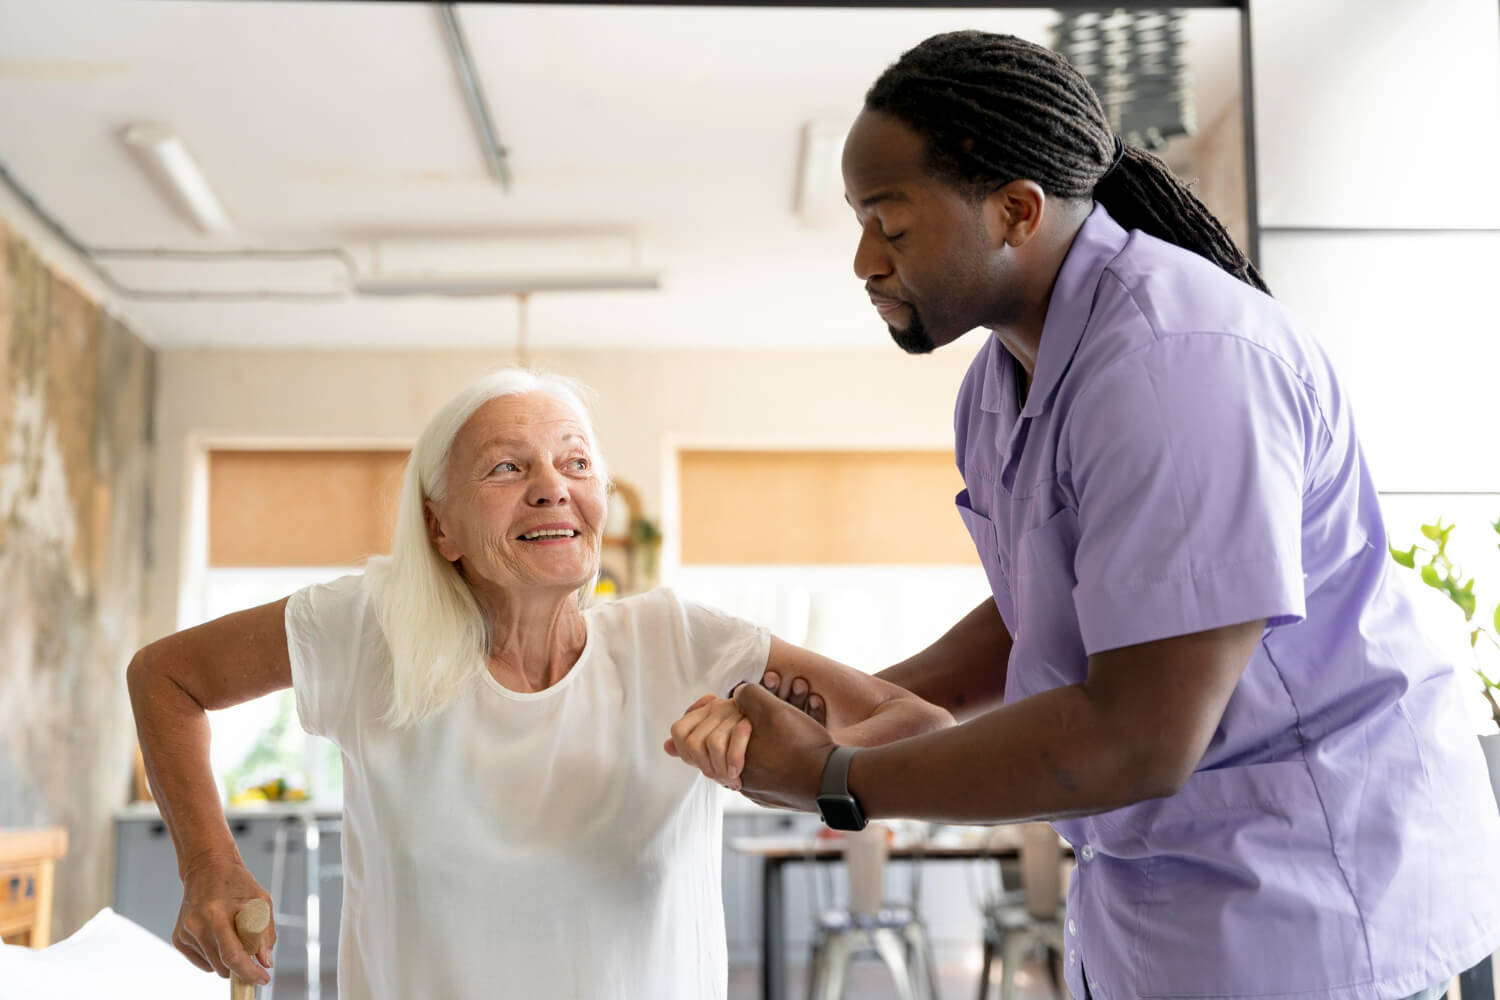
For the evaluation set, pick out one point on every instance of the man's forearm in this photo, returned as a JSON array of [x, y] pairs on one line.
[[174, 737], [964, 670], [1053, 755], [898, 719]]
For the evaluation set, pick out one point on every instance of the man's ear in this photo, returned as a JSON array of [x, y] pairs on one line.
[[446, 546], [1013, 213]]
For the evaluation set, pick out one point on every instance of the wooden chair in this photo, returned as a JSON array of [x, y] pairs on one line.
[[28, 860]]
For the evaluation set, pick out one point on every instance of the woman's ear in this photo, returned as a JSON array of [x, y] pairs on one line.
[[445, 544]]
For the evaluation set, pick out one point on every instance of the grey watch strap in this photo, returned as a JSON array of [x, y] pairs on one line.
[[836, 771]]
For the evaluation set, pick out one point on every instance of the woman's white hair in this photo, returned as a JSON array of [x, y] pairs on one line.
[[437, 633]]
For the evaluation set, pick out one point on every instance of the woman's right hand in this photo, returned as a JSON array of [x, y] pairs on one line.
[[212, 893]]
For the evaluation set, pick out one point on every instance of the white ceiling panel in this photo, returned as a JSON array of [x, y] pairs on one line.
[[338, 125]]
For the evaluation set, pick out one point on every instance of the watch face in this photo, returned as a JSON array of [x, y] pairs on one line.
[[841, 812]]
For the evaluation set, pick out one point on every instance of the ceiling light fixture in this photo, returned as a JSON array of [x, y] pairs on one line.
[[820, 184], [164, 157], [478, 288]]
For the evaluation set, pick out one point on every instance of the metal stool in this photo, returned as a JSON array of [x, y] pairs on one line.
[[1019, 923], [312, 829], [870, 924]]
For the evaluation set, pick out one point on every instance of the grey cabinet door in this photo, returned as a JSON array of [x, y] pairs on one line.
[[147, 889]]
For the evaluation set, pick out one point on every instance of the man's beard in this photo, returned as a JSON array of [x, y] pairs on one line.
[[914, 339]]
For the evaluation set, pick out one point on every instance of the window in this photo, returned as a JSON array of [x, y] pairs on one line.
[[1474, 549], [279, 521], [858, 555]]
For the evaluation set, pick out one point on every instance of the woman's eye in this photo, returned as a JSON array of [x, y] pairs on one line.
[[580, 464], [893, 237], [506, 467]]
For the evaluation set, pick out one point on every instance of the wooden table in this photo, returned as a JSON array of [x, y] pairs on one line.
[[779, 851], [28, 860]]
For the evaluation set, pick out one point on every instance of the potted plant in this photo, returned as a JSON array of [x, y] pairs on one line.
[[1440, 573], [645, 538]]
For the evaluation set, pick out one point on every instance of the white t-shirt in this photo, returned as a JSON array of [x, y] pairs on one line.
[[537, 846]]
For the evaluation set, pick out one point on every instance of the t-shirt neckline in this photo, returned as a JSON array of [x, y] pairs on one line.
[[547, 692]]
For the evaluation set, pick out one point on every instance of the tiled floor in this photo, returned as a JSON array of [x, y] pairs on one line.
[[867, 981]]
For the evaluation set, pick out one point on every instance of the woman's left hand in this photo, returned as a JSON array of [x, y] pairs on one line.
[[711, 736]]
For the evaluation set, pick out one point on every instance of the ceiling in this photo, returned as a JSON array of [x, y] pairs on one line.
[[329, 125]]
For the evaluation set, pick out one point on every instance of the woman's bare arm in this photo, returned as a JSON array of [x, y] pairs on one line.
[[173, 682]]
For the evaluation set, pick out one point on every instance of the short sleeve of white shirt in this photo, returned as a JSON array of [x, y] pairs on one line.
[[717, 650], [333, 641], [1188, 462]]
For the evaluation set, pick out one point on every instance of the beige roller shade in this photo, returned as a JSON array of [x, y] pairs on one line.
[[301, 508], [821, 508]]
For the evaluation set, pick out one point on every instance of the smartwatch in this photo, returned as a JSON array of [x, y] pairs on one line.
[[839, 809]]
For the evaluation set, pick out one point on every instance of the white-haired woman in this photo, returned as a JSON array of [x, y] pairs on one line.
[[511, 824]]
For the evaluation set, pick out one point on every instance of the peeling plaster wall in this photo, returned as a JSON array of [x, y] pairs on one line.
[[75, 399]]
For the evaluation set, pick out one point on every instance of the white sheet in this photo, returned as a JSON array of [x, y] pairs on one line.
[[108, 957]]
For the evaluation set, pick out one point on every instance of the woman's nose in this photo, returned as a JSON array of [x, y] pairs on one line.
[[548, 489]]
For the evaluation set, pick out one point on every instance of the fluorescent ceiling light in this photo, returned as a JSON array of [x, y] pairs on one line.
[[820, 180], [499, 254], [645, 281], [169, 163], [512, 263]]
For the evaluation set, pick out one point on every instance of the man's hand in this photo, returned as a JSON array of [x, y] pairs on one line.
[[784, 758], [708, 735]]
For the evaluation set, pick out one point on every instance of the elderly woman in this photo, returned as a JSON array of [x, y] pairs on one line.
[[511, 824]]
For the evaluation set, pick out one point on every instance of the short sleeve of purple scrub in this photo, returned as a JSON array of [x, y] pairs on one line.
[[1187, 459]]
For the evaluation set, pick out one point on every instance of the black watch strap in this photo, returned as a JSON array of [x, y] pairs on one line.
[[836, 771]]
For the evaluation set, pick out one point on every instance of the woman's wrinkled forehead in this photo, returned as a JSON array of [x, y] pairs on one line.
[[522, 419]]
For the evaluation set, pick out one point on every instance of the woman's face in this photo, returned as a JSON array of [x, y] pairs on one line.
[[523, 508]]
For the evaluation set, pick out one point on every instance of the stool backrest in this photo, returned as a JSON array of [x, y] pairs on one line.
[[865, 854], [1041, 870]]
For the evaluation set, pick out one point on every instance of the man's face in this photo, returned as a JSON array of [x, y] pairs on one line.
[[924, 253]]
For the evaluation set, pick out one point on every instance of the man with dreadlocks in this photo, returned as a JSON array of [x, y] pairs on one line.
[[1210, 683]]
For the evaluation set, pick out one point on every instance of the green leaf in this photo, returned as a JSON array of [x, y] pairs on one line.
[[1474, 636], [1407, 558], [1431, 578], [1434, 531], [1465, 601], [1497, 618], [1496, 526]]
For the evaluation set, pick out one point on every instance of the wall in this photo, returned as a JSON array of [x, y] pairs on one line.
[[75, 395], [649, 402], [1375, 152]]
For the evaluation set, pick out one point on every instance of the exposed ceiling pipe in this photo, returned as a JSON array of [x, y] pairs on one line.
[[495, 154]]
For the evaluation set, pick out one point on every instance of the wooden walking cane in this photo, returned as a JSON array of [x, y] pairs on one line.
[[250, 924]]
